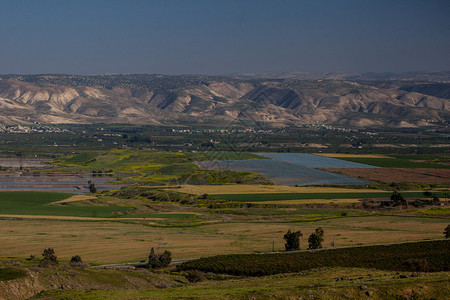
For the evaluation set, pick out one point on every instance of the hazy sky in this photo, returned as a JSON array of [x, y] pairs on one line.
[[223, 36]]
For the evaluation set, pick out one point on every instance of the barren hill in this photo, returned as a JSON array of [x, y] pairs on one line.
[[155, 99]]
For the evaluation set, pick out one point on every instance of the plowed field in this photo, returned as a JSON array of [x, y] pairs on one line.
[[396, 174]]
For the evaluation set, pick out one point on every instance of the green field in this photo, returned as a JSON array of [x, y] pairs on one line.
[[306, 196], [37, 203]]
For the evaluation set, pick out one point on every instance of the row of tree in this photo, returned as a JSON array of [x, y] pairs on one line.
[[292, 239], [397, 199]]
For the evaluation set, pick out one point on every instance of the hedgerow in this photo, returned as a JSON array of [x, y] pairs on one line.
[[433, 256]]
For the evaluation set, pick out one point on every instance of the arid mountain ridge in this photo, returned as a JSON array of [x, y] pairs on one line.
[[349, 100]]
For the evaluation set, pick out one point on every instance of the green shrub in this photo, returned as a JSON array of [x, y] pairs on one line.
[[159, 260], [76, 259], [9, 273], [49, 258], [194, 276]]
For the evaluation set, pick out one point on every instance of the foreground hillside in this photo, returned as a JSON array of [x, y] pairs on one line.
[[324, 283], [415, 273], [153, 99]]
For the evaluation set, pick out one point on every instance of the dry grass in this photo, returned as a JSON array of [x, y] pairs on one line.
[[310, 201], [75, 199], [71, 218], [262, 189], [110, 242]]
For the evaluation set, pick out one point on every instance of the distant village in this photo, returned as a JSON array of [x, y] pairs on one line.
[[35, 128]]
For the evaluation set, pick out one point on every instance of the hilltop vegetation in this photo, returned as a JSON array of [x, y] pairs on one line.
[[158, 168]]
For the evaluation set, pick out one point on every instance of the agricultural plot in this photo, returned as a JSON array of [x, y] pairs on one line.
[[314, 161], [55, 183], [262, 189], [281, 172], [416, 175], [306, 196], [37, 203], [392, 162], [107, 242]]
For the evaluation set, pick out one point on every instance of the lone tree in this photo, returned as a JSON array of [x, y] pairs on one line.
[[315, 239], [292, 240], [92, 188], [447, 232], [398, 199], [49, 257], [436, 200], [159, 260]]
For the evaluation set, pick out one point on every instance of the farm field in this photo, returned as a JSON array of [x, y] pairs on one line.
[[395, 162], [306, 196], [314, 161], [262, 189], [417, 175], [106, 242], [37, 203], [66, 183], [281, 172]]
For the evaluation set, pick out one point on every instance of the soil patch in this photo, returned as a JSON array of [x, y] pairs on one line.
[[419, 175]]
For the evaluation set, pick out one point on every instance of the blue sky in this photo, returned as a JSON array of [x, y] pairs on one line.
[[223, 37]]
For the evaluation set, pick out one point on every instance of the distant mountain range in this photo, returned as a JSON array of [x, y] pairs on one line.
[[443, 76], [360, 100]]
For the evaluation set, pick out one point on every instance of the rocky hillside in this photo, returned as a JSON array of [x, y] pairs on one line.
[[158, 99]]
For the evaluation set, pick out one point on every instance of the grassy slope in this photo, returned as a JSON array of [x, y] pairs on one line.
[[326, 283]]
